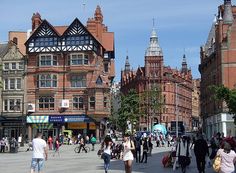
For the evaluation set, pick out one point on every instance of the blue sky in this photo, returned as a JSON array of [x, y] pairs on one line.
[[182, 26]]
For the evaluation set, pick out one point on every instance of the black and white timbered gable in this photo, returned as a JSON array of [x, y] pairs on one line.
[[75, 38]]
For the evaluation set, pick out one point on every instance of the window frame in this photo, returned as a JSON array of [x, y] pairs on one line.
[[46, 103], [78, 80], [49, 60], [47, 80], [92, 103], [12, 105], [79, 59]]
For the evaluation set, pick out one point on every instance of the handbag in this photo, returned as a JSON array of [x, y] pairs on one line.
[[216, 163]]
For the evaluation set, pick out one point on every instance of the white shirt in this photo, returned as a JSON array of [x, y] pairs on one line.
[[107, 150], [38, 148]]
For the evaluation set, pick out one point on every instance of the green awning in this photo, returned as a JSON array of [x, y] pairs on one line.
[[42, 126], [37, 119]]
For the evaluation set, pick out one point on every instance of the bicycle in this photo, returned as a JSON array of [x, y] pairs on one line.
[[87, 148]]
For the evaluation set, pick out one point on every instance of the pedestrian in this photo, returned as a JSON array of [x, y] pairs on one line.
[[150, 145], [40, 153], [128, 157], [2, 145], [82, 145], [20, 140], [183, 152], [93, 141], [201, 151], [228, 158], [137, 144], [57, 145], [50, 141], [144, 148], [106, 155]]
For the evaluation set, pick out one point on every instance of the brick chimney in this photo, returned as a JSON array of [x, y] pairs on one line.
[[36, 21]]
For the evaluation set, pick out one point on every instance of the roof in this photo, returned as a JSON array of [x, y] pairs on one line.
[[3, 49], [154, 48], [60, 29]]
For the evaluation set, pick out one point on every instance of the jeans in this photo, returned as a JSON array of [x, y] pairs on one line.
[[138, 154], [107, 159]]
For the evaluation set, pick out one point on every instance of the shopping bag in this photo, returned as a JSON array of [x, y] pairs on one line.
[[216, 163]]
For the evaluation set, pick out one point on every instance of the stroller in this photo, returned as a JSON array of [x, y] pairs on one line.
[[30, 147]]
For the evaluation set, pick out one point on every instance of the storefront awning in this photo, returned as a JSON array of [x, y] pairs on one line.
[[43, 126], [37, 119]]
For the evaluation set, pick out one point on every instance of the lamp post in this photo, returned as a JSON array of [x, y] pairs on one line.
[[176, 109]]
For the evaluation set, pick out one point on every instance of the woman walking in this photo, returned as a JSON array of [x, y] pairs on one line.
[[57, 147], [228, 158], [106, 155], [183, 152], [128, 157]]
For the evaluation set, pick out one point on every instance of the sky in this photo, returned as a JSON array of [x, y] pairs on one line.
[[182, 26]]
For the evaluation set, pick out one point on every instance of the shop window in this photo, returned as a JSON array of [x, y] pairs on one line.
[[46, 103]]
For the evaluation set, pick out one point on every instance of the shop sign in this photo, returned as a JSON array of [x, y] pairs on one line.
[[82, 118], [37, 119], [12, 124], [92, 126], [77, 125], [56, 119]]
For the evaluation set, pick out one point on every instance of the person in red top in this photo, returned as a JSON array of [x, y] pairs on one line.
[[50, 141], [57, 145]]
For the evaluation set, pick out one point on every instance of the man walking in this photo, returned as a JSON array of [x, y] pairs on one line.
[[40, 153], [200, 151]]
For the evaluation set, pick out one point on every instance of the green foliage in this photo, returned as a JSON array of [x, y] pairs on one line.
[[229, 96], [151, 101], [128, 110]]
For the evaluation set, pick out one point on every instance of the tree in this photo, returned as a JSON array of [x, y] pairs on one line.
[[228, 95], [151, 102], [129, 110]]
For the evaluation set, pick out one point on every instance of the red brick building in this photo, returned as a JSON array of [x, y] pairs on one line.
[[171, 82], [69, 73], [218, 67]]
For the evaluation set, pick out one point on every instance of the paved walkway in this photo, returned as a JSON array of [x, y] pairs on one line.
[[70, 162]]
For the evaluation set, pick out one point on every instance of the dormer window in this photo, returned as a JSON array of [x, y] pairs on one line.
[[99, 81]]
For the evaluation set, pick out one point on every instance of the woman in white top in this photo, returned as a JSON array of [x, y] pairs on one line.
[[106, 147], [128, 157], [228, 158]]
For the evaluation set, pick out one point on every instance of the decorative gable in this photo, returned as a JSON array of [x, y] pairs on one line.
[[44, 39]]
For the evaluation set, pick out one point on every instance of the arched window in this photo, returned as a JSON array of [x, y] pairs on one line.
[[99, 80]]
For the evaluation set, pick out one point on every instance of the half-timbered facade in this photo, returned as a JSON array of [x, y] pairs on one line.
[[69, 73]]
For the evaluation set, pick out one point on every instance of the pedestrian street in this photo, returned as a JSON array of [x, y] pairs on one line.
[[71, 162]]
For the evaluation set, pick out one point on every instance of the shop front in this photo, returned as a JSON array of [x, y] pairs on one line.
[[42, 124], [12, 128], [54, 125], [80, 124]]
